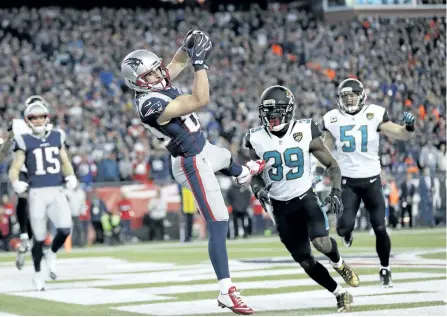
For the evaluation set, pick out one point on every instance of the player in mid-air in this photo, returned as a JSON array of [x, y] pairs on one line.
[[170, 116], [286, 185], [355, 128], [43, 153], [17, 127]]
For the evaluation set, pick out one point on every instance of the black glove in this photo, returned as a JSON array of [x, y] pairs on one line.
[[334, 201], [10, 126], [263, 196], [200, 51]]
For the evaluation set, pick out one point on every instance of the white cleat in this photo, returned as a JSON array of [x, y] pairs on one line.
[[255, 167], [50, 259], [39, 281]]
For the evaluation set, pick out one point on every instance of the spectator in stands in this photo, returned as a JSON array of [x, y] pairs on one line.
[[407, 191], [126, 213], [238, 198], [97, 210], [76, 199], [426, 191], [140, 165], [189, 208], [108, 170], [429, 156], [158, 208], [258, 215]]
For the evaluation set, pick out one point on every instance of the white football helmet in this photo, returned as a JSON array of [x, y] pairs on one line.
[[36, 109], [136, 65], [33, 98]]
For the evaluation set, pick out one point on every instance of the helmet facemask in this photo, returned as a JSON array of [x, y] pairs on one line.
[[275, 118], [351, 96], [36, 110], [144, 71], [160, 84]]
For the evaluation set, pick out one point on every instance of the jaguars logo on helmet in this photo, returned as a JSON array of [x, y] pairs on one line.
[[276, 107]]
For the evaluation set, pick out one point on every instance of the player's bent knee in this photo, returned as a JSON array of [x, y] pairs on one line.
[[306, 261], [64, 231], [322, 244], [343, 231], [379, 229]]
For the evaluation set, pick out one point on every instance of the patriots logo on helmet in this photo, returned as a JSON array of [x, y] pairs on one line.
[[370, 115], [298, 136], [133, 62]]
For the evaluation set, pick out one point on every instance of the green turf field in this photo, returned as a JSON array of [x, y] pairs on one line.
[[177, 279]]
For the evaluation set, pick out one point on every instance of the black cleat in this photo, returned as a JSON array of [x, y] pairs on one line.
[[385, 278], [347, 240]]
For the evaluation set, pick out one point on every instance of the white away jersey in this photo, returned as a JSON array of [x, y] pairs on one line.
[[357, 140], [287, 158], [19, 127]]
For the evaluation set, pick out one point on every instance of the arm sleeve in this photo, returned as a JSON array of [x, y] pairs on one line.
[[63, 137], [18, 143], [386, 118], [151, 108], [316, 132], [247, 142]]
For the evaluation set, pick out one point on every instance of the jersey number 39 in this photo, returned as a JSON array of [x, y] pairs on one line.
[[292, 158], [47, 160]]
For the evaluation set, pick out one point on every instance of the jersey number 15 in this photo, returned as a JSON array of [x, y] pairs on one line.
[[47, 160], [292, 158]]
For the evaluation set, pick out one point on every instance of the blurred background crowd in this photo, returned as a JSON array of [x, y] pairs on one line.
[[71, 57]]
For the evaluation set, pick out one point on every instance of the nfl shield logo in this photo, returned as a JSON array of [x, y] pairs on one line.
[[370, 115], [298, 136]]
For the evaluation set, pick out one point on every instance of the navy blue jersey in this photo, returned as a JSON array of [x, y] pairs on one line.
[[182, 136], [42, 158]]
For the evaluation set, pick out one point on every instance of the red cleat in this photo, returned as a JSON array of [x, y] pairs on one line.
[[234, 301]]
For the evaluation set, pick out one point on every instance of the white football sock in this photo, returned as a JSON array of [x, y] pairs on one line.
[[225, 284], [245, 172], [339, 290], [385, 268], [338, 264]]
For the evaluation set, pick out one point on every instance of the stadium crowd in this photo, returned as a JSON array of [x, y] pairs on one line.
[[72, 59]]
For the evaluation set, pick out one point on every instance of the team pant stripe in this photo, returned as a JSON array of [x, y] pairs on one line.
[[192, 175]]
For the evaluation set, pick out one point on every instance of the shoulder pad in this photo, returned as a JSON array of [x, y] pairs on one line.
[[305, 121], [256, 129]]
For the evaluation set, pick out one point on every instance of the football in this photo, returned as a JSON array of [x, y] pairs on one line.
[[190, 41]]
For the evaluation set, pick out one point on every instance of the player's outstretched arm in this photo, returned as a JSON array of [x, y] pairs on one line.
[[325, 157], [178, 63], [399, 132], [16, 165], [187, 104]]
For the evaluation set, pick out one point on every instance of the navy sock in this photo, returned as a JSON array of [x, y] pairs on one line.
[[217, 247]]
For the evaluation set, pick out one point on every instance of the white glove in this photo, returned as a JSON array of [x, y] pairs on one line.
[[71, 182], [20, 187]]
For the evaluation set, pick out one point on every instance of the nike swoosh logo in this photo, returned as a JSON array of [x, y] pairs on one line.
[[301, 197], [372, 180]]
